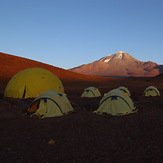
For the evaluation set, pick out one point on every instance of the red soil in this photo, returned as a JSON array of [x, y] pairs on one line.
[[81, 136]]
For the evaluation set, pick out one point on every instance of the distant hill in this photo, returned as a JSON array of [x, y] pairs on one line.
[[10, 65], [160, 76], [120, 64]]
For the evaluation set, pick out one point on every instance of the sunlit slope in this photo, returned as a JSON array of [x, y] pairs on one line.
[[11, 64]]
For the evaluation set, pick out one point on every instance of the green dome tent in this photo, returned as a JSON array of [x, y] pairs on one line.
[[50, 104], [116, 102], [91, 92], [31, 82], [151, 91]]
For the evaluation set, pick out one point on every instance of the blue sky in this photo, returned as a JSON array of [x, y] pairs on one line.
[[68, 33]]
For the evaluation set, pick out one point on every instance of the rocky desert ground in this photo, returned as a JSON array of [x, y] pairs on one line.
[[81, 136]]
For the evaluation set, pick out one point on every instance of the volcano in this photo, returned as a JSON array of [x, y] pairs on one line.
[[120, 64]]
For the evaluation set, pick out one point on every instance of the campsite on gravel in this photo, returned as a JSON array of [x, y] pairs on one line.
[[81, 135]]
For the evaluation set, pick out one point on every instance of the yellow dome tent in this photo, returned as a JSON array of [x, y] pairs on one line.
[[116, 102], [151, 91], [31, 82], [50, 104], [91, 92], [122, 88]]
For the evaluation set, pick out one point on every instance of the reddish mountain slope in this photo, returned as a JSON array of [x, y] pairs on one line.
[[10, 65], [159, 76], [119, 64]]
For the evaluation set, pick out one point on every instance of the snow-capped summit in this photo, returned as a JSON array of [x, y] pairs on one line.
[[119, 64], [119, 55], [119, 52]]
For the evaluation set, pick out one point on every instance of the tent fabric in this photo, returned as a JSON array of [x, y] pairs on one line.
[[91, 92], [116, 102], [122, 88], [30, 83], [50, 104], [151, 91]]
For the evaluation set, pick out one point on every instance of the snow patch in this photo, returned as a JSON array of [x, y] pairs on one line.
[[107, 60], [119, 56]]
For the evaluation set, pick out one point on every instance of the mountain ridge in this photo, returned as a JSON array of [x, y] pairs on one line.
[[11, 64], [119, 64]]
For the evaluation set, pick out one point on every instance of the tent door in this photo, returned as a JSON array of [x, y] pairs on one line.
[[24, 92], [33, 108]]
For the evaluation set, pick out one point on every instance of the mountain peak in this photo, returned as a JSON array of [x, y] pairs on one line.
[[119, 55], [119, 52]]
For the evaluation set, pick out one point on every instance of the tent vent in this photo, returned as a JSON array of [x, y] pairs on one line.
[[114, 98], [45, 100], [59, 94]]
